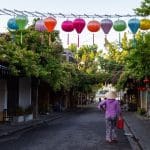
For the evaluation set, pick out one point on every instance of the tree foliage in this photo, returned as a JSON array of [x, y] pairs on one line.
[[144, 9]]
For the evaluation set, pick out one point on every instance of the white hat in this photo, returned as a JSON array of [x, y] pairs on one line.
[[111, 95]]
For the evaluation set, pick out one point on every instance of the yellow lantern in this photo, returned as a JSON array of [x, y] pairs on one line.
[[144, 24]]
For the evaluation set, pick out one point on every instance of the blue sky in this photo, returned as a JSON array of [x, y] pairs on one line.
[[101, 7]]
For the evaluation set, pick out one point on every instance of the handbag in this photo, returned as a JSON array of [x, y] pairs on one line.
[[120, 123]]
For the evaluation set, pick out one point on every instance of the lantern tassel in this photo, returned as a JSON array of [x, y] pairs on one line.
[[42, 38], [21, 37], [49, 39], [119, 40], [78, 40], [134, 41], [68, 39], [93, 38]]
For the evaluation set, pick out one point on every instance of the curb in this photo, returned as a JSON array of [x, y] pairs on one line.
[[132, 137]]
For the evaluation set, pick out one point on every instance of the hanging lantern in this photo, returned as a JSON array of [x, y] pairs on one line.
[[50, 23], [67, 26], [40, 26], [79, 25], [144, 24], [12, 25], [93, 26], [119, 25], [21, 22], [106, 25], [134, 25]]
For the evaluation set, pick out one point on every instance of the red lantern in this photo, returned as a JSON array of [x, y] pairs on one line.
[[67, 26], [79, 25], [50, 23], [93, 26]]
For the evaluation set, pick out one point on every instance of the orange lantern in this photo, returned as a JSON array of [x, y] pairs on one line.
[[144, 24], [93, 26], [50, 24]]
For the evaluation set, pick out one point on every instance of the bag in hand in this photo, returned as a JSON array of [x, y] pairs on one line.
[[120, 123]]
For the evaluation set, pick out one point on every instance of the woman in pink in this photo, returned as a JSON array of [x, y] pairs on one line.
[[112, 112]]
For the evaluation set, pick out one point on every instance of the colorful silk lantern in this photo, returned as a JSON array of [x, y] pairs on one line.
[[119, 25], [40, 26], [134, 25], [50, 24], [106, 25], [21, 22], [145, 24], [12, 25], [67, 26], [79, 25], [93, 26]]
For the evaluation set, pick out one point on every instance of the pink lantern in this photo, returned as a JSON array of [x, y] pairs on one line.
[[40, 26], [67, 26], [79, 25]]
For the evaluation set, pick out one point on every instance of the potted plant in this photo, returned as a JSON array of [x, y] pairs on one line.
[[28, 113]]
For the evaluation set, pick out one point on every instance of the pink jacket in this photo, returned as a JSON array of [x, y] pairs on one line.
[[112, 108]]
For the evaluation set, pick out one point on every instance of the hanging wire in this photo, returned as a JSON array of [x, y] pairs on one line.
[[60, 15]]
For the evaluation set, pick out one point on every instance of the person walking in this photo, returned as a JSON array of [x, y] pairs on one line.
[[112, 109]]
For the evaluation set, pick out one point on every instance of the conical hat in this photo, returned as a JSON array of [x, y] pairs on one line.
[[111, 95]]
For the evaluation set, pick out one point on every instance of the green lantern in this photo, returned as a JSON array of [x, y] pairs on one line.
[[119, 26], [21, 22]]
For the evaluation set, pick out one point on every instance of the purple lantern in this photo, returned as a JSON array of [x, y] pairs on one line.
[[79, 25], [40, 26], [67, 26], [106, 25]]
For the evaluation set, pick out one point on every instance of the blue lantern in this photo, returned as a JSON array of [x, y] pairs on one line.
[[134, 25], [12, 25]]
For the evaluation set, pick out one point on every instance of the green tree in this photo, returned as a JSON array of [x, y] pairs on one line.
[[144, 9]]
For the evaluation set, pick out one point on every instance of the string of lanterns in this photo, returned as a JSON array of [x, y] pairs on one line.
[[78, 24]]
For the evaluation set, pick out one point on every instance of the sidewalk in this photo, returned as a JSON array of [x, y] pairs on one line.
[[139, 127], [9, 129]]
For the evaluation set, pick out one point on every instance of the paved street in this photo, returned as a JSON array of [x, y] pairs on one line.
[[75, 131]]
